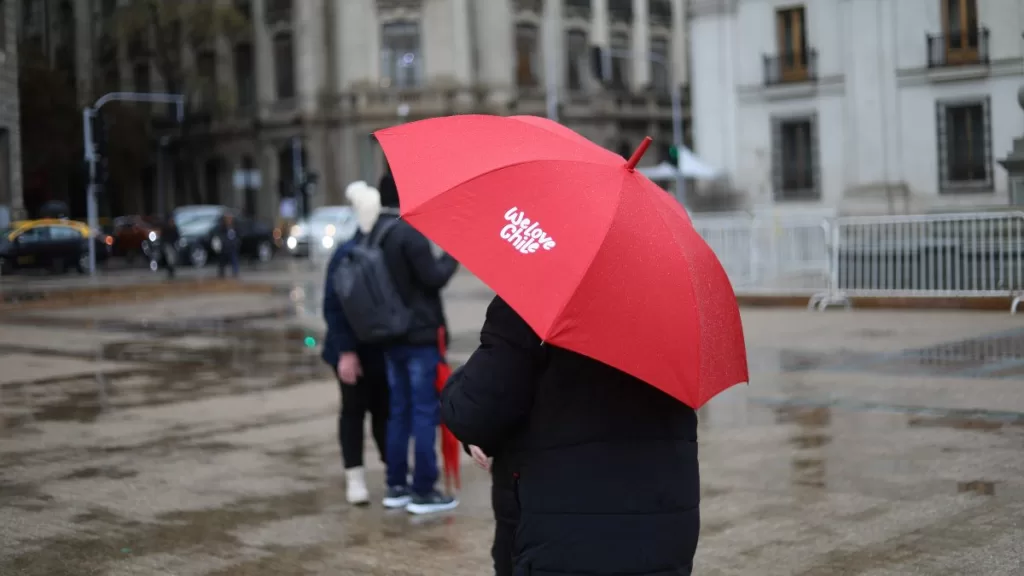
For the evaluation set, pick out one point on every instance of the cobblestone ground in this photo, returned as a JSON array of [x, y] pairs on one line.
[[196, 436]]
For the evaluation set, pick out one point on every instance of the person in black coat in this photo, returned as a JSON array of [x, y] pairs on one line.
[[603, 466]]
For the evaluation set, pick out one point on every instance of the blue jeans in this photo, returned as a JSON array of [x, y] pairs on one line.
[[416, 412]]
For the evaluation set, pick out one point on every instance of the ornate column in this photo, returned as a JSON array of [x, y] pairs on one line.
[[599, 30], [641, 48]]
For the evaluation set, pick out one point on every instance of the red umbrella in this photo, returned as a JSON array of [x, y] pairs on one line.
[[450, 446], [595, 257]]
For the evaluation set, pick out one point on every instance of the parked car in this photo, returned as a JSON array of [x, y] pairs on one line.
[[327, 227], [55, 245], [135, 236], [198, 243]]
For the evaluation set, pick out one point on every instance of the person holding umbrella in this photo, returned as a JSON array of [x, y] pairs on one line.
[[586, 403]]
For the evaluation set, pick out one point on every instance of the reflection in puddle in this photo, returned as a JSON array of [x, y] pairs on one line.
[[183, 360], [981, 487]]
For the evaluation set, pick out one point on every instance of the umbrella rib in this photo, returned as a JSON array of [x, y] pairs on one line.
[[586, 270], [419, 211]]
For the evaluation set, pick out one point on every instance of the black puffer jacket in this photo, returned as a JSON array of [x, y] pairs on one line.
[[419, 278], [604, 466], [418, 275]]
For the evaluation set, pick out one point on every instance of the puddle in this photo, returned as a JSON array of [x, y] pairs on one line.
[[183, 360]]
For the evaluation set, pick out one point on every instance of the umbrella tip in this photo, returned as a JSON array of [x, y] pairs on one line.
[[640, 150]]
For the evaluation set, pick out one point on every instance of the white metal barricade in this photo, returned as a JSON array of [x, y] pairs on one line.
[[947, 255], [769, 254]]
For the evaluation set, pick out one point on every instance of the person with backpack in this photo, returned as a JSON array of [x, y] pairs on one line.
[[390, 289], [358, 366]]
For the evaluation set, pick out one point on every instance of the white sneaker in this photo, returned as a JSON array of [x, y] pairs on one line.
[[355, 486]]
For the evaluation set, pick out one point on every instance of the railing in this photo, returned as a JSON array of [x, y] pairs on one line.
[[945, 256], [835, 260], [958, 48], [767, 254], [791, 67]]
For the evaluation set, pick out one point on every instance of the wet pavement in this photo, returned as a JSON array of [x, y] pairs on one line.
[[196, 435]]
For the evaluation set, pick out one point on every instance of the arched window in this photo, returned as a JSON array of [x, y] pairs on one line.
[[284, 66], [527, 56]]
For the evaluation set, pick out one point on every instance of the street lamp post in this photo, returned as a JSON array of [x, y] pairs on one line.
[[88, 113]]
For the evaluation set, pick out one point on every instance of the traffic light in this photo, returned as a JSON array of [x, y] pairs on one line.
[[99, 134], [673, 155]]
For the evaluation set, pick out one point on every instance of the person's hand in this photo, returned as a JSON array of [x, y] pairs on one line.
[[481, 459], [349, 369]]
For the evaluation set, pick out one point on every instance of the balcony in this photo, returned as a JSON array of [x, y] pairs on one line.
[[791, 68], [958, 48]]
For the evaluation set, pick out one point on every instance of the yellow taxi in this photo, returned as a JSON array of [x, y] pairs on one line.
[[54, 244]]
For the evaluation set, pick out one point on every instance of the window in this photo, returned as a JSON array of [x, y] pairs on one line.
[[577, 9], [660, 77], [33, 235], [245, 89], [278, 11], [965, 146], [960, 27], [5, 167], [284, 66], [576, 46], [140, 77], [660, 12], [206, 69], [620, 60], [791, 35], [401, 65], [64, 233], [795, 158], [620, 11], [526, 55]]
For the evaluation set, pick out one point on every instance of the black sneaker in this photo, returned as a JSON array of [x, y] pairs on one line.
[[430, 503], [397, 497]]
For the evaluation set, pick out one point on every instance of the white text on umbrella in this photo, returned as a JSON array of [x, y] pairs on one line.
[[525, 236]]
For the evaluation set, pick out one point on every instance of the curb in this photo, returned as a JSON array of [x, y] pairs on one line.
[[998, 303], [97, 295]]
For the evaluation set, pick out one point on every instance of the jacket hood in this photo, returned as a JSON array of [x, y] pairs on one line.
[[365, 201]]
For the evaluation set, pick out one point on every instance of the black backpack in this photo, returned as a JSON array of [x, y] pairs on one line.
[[371, 302]]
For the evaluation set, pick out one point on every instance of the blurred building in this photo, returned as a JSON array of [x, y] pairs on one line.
[[10, 134], [330, 72], [858, 106]]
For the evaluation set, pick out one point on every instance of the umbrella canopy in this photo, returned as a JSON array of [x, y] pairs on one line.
[[595, 257]]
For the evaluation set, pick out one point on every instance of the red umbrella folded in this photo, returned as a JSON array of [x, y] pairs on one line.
[[595, 257], [450, 446]]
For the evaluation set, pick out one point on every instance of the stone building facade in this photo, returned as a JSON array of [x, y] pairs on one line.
[[330, 72], [10, 132]]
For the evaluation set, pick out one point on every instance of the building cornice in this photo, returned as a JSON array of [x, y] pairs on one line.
[[701, 8]]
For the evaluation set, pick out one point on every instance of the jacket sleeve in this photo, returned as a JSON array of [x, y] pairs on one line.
[[341, 339], [433, 273], [492, 394]]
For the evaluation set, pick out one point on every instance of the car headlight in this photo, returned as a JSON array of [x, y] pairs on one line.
[[215, 244], [296, 230], [328, 242], [292, 242], [152, 236], [329, 230]]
